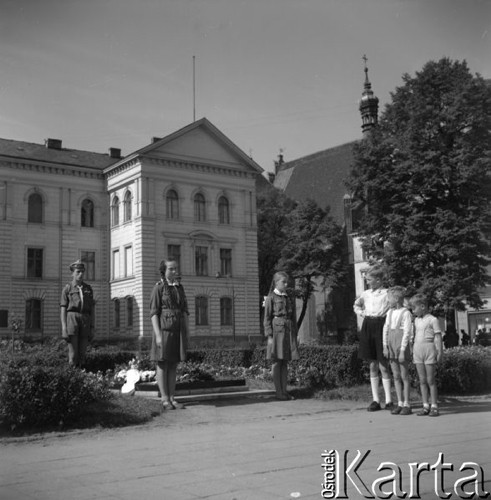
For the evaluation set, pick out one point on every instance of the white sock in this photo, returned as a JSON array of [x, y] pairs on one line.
[[400, 403], [374, 384], [386, 384]]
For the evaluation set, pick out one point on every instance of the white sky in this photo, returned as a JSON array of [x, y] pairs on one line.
[[270, 74]]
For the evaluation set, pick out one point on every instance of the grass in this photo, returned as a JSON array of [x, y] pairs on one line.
[[118, 411]]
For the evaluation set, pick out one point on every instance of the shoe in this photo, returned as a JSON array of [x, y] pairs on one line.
[[389, 406], [289, 396], [374, 406], [423, 412], [434, 412], [406, 410], [396, 410], [176, 405], [167, 405]]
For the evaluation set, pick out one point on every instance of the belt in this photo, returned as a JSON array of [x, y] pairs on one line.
[[279, 315], [425, 341], [375, 317]]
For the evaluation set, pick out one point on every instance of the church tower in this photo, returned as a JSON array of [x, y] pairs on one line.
[[368, 104]]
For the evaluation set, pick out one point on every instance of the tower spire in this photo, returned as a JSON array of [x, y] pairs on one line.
[[368, 103]]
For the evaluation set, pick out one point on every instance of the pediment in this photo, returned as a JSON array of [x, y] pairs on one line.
[[200, 142]]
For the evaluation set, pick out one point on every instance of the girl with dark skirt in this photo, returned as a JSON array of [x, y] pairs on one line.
[[168, 312]]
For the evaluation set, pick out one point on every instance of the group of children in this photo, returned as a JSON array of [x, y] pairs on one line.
[[388, 336]]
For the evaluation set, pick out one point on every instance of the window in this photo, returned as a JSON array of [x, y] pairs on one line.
[[199, 208], [4, 318], [129, 311], [33, 314], [225, 262], [115, 211], [201, 261], [127, 206], [116, 272], [35, 208], [88, 258], [174, 253], [201, 312], [226, 311], [117, 313], [128, 261], [172, 204], [34, 262], [87, 213], [223, 211]]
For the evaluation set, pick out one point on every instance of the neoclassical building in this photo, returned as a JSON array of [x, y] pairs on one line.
[[189, 196]]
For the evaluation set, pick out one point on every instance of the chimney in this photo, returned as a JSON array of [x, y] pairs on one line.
[[53, 143], [279, 163], [156, 139], [115, 152]]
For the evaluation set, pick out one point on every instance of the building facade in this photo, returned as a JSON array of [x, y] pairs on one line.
[[189, 196]]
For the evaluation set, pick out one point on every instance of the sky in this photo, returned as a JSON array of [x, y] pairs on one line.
[[273, 75]]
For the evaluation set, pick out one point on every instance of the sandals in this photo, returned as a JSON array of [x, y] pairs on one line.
[[425, 411], [176, 404], [167, 405]]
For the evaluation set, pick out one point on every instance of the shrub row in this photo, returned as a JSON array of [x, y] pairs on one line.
[[36, 395]]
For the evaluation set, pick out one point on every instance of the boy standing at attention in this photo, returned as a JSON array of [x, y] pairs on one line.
[[427, 352], [372, 305]]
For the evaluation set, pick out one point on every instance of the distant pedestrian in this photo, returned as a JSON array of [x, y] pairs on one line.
[[396, 336], [77, 314], [280, 327], [465, 338], [168, 313], [427, 353], [372, 305]]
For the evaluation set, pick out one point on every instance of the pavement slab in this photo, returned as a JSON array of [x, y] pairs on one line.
[[251, 448]]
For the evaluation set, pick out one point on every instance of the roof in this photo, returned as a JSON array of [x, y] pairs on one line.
[[29, 151], [205, 124], [320, 177]]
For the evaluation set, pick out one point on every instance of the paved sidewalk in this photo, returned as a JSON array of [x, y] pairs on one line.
[[245, 448]]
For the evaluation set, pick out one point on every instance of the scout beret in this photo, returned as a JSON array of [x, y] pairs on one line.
[[78, 264]]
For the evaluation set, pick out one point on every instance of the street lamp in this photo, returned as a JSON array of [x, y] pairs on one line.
[[218, 276]]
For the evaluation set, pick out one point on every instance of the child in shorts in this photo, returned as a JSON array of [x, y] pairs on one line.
[[396, 335], [427, 352]]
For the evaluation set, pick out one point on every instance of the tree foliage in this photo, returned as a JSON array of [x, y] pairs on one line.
[[313, 251], [424, 177], [273, 209]]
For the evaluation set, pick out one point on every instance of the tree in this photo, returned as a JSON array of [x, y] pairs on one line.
[[273, 209], [424, 177], [313, 250]]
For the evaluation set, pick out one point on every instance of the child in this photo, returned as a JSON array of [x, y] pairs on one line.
[[427, 352], [77, 314], [396, 335], [281, 329], [372, 306]]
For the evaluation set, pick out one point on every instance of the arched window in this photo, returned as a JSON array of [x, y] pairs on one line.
[[127, 206], [223, 211], [117, 313], [172, 204], [129, 311], [115, 211], [226, 311], [33, 315], [35, 208], [87, 213], [199, 208], [201, 310]]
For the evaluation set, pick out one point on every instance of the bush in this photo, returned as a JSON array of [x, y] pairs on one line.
[[465, 369], [33, 395]]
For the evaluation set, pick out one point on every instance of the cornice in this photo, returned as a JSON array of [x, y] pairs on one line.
[[200, 167], [113, 171], [52, 169]]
